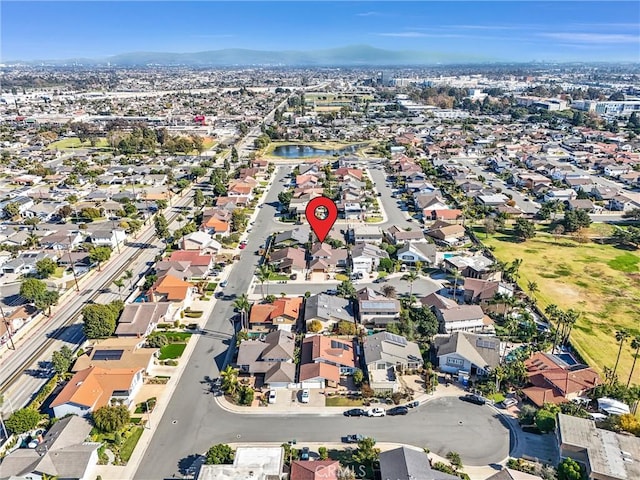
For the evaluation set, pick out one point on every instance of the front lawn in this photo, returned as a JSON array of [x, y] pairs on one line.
[[278, 276], [600, 281], [126, 450], [341, 277], [172, 351], [496, 397], [342, 402]]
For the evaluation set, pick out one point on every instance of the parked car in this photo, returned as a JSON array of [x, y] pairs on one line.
[[272, 396], [242, 246], [224, 283], [331, 291], [509, 402], [304, 453], [355, 412], [472, 398], [355, 438], [398, 411], [376, 412], [413, 404], [304, 397]]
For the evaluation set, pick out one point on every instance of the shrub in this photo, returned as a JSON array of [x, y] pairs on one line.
[[111, 419], [315, 326], [220, 454], [545, 420], [23, 420], [157, 341]]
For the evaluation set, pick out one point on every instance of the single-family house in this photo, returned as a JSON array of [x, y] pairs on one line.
[[625, 202], [385, 355], [271, 356], [172, 289], [290, 238], [396, 235], [117, 353], [467, 352], [289, 260], [365, 258], [412, 252], [315, 470], [484, 291], [328, 309], [95, 387], [553, 380], [406, 463], [106, 237], [365, 233], [140, 319], [282, 314], [605, 455], [375, 308], [63, 453], [195, 259], [332, 351], [472, 266], [446, 233], [200, 241], [454, 317], [249, 463]]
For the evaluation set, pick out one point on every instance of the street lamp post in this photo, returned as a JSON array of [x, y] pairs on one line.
[[146, 402], [113, 225]]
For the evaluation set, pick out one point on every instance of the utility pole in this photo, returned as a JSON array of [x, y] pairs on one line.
[[7, 326]]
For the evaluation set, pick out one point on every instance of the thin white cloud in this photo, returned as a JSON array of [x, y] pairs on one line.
[[368, 14], [214, 35], [420, 35], [596, 38]]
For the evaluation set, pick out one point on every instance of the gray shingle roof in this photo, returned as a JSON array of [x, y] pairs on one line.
[[407, 464]]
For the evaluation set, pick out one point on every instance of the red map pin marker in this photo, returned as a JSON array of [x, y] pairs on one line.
[[321, 214]]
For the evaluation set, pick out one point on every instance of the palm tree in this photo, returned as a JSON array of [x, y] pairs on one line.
[[621, 336], [119, 283], [553, 315], [410, 277], [498, 375], [229, 379], [635, 344], [389, 291], [570, 319], [263, 274], [243, 305], [533, 289], [32, 240], [128, 274]]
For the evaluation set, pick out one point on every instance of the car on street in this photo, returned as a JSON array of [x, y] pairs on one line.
[[272, 396], [355, 412], [472, 398], [304, 397], [242, 246], [398, 411], [376, 412], [331, 291], [224, 283], [413, 404], [355, 438]]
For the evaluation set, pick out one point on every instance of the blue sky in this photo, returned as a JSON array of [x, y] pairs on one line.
[[503, 30]]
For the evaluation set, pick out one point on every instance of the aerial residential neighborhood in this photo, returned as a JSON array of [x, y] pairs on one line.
[[324, 264]]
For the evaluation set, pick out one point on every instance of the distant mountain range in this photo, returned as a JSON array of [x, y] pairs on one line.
[[356, 55]]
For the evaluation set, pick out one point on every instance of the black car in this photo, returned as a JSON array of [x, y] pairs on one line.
[[398, 411], [413, 404], [476, 399], [355, 412]]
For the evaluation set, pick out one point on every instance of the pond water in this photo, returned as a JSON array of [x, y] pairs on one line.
[[305, 151]]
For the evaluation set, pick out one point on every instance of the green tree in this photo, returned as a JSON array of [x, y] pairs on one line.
[[198, 198], [23, 420], [120, 284], [635, 345], [410, 277], [128, 274], [262, 274], [229, 379], [238, 220], [47, 300], [162, 227], [545, 420], [621, 335], [62, 360], [366, 453], [243, 306], [99, 255], [99, 320], [323, 453], [574, 220], [345, 327], [46, 267], [358, 377], [234, 155], [110, 419], [315, 326], [569, 469], [32, 289], [454, 459], [346, 289], [524, 229], [220, 454], [11, 210], [389, 291]]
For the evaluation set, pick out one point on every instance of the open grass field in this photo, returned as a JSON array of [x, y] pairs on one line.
[[74, 142], [601, 281]]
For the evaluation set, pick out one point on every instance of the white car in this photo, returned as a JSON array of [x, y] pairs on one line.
[[509, 402], [376, 412], [272, 396], [304, 398]]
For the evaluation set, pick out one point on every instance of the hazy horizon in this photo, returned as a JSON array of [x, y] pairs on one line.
[[502, 31]]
